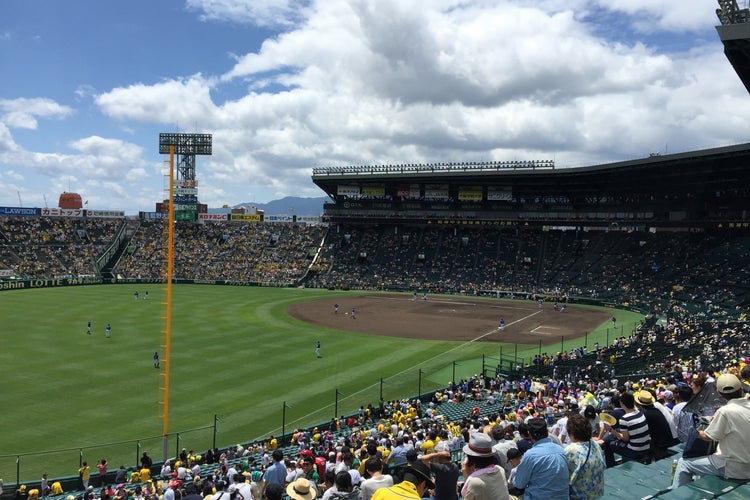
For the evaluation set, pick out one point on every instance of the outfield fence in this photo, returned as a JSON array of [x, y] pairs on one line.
[[29, 466]]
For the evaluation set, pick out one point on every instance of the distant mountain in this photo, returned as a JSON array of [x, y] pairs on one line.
[[290, 205]]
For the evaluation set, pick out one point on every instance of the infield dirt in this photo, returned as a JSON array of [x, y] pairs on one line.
[[451, 318]]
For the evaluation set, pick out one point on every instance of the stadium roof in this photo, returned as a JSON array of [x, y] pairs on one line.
[[709, 169]]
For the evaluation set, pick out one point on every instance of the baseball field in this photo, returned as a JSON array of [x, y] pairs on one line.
[[243, 364]]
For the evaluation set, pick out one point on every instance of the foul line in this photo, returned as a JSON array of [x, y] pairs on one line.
[[511, 323], [411, 368]]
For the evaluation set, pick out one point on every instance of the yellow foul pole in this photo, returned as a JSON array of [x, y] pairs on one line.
[[168, 316]]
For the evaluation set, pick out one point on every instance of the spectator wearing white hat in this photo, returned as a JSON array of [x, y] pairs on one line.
[[729, 427], [484, 479]]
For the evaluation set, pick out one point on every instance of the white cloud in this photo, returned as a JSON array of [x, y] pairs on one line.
[[266, 13], [7, 144], [653, 15], [84, 91], [461, 80], [23, 113], [11, 175], [170, 102], [105, 162]]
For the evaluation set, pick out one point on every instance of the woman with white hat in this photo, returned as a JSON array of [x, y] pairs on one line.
[[485, 480]]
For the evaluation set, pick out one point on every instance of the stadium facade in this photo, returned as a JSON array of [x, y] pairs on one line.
[[698, 189]]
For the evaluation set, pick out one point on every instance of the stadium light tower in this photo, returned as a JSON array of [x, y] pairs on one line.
[[734, 33], [187, 146]]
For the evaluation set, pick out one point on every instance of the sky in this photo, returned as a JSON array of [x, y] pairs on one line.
[[284, 86]]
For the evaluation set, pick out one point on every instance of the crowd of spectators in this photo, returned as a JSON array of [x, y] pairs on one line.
[[530, 438], [280, 252], [57, 247], [54, 247], [705, 271]]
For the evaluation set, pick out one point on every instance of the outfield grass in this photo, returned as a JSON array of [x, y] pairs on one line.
[[235, 354]]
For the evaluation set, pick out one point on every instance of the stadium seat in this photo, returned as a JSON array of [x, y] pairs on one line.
[[713, 485], [739, 493], [661, 480], [632, 468], [685, 493], [625, 488]]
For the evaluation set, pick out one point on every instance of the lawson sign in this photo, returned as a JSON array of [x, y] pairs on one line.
[[19, 211]]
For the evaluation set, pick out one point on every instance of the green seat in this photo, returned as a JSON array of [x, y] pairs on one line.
[[615, 484], [658, 480], [632, 468], [664, 465], [714, 485], [625, 488], [739, 493], [685, 493]]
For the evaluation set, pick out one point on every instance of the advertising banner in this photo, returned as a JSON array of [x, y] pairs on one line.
[[278, 218], [495, 193], [373, 191], [184, 183], [470, 193], [244, 217], [105, 214], [47, 283], [184, 216], [408, 191], [152, 215], [436, 192], [62, 212], [350, 191], [309, 219], [18, 211], [186, 199], [214, 217]]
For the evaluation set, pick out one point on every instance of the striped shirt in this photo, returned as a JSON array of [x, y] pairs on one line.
[[637, 428]]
